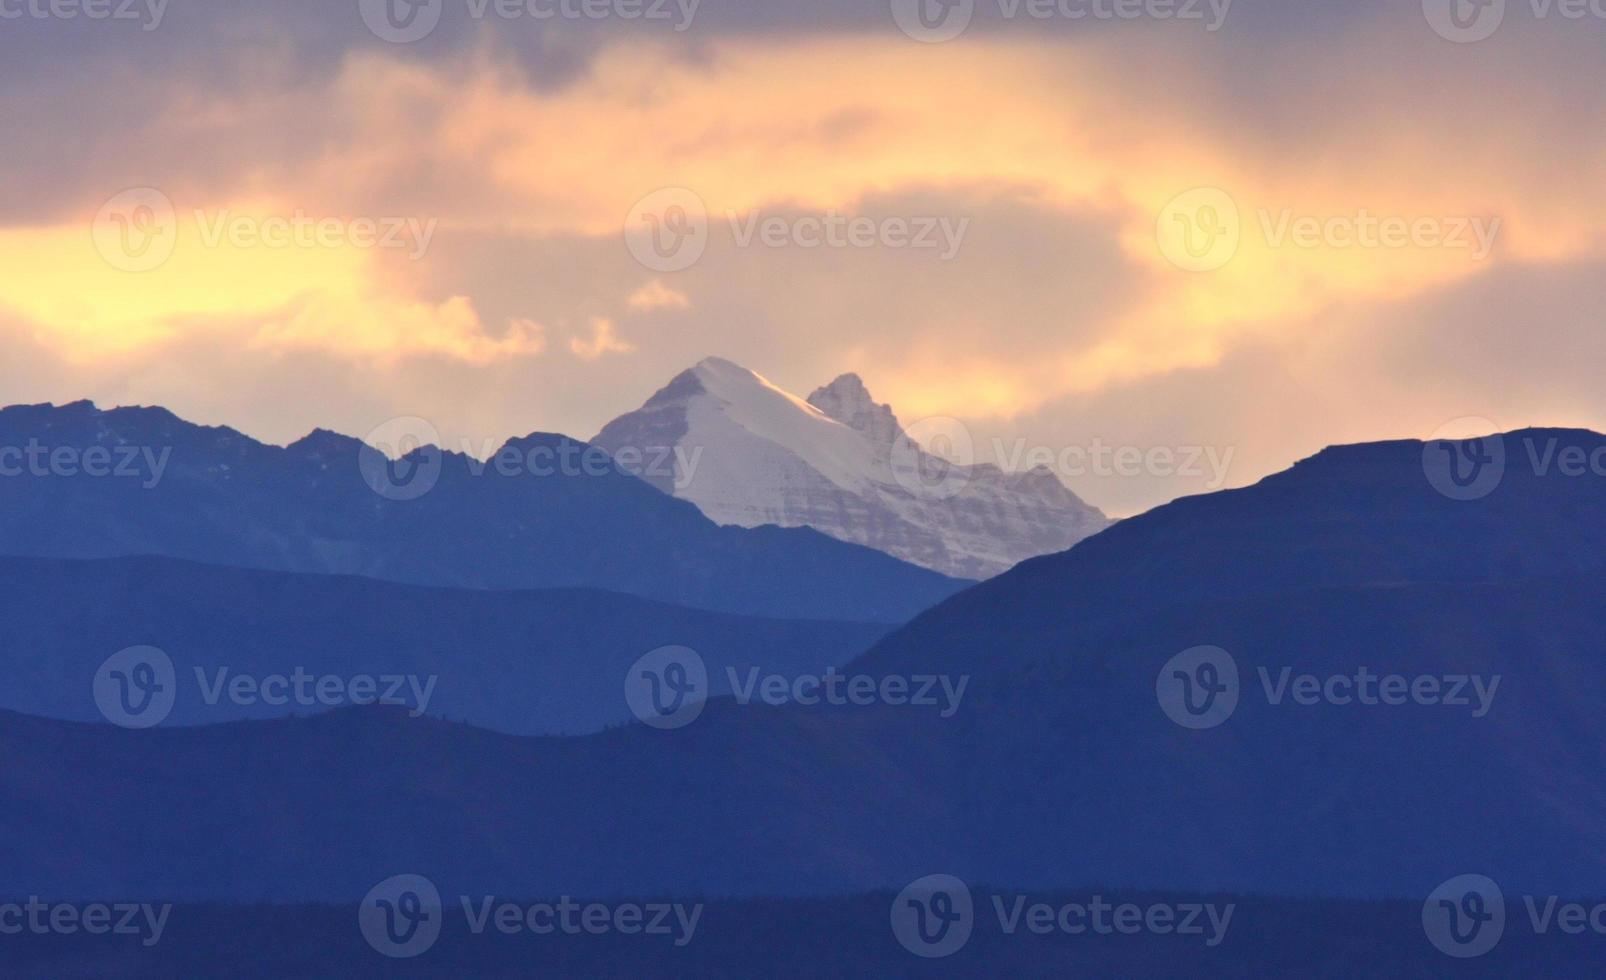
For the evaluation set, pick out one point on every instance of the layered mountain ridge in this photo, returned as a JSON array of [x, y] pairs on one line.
[[214, 495], [1060, 767]]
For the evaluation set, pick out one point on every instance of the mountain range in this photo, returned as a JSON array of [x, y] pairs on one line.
[[1060, 768], [540, 662], [322, 504], [748, 453]]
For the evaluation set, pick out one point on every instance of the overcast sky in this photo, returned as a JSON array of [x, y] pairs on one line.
[[1263, 229]]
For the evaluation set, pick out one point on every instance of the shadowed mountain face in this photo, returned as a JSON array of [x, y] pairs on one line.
[[533, 663], [1362, 515], [1061, 767], [748, 453], [544, 512]]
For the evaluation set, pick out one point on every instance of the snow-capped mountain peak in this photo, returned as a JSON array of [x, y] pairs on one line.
[[748, 452]]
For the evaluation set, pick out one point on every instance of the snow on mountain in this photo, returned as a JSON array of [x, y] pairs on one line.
[[748, 453]]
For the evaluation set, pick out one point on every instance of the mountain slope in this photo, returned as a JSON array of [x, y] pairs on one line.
[[542, 662], [222, 498], [1060, 769], [1064, 776], [1349, 516], [749, 453]]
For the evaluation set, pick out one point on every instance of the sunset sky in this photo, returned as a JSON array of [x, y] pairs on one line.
[[1071, 154]]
